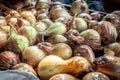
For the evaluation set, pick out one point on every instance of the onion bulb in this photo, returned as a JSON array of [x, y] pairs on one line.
[[52, 65], [8, 59], [16, 43], [107, 32], [29, 32], [84, 51], [79, 6], [95, 76], [29, 16], [92, 38], [32, 55], [56, 28], [109, 65]]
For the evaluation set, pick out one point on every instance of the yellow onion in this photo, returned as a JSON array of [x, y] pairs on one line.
[[52, 65], [29, 16], [43, 4], [32, 55], [56, 28], [48, 22], [56, 39], [16, 43], [109, 65], [58, 11], [95, 76], [42, 16], [107, 32], [40, 26], [3, 40], [92, 24], [85, 16], [79, 6], [12, 13], [24, 67], [30, 33], [84, 51], [63, 77], [113, 49], [92, 38], [8, 59], [17, 23], [80, 24]]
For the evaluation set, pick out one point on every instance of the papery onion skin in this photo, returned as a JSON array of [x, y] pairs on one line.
[[95, 76], [85, 51], [109, 65], [8, 59], [32, 55], [107, 32]]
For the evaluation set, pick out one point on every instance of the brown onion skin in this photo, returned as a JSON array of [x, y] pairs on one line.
[[109, 65], [95, 76], [63, 77], [3, 40], [8, 59], [85, 51], [24, 67]]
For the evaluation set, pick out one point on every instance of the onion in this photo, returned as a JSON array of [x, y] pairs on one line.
[[79, 6], [52, 65], [30, 33], [56, 28], [107, 32], [48, 22], [56, 39], [85, 16], [109, 65], [80, 24], [29, 16], [57, 12], [92, 24], [8, 59], [13, 13], [84, 51], [32, 55], [24, 67], [3, 40], [92, 38], [16, 43], [95, 76], [114, 49], [43, 4], [40, 26], [42, 16], [63, 77], [115, 20]]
